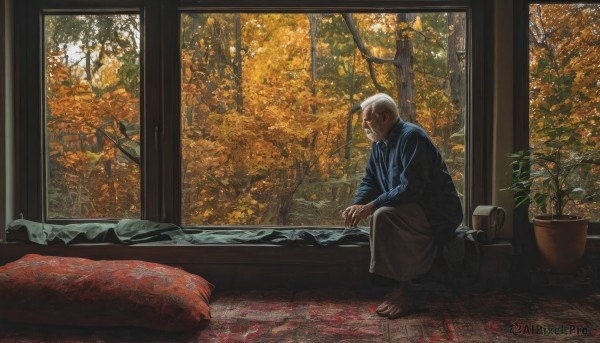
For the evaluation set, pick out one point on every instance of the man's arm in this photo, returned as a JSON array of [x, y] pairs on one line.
[[363, 201], [369, 189]]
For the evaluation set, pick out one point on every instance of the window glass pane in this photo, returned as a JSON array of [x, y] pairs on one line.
[[564, 95], [92, 112], [269, 135]]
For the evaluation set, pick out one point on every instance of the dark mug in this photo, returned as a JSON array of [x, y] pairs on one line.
[[488, 219]]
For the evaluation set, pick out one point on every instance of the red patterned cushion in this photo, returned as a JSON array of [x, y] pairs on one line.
[[78, 291]]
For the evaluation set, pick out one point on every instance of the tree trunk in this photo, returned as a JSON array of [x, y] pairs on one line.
[[237, 65], [313, 21], [88, 66], [348, 171], [405, 83], [456, 55], [283, 211], [349, 131]]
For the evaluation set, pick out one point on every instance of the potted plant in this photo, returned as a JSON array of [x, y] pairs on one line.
[[553, 176]]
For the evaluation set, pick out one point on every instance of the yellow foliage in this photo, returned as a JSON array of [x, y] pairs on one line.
[[417, 25], [107, 75]]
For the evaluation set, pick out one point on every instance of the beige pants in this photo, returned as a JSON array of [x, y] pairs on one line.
[[402, 242]]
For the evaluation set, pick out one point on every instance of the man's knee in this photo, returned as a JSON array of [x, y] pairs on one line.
[[407, 216], [382, 215]]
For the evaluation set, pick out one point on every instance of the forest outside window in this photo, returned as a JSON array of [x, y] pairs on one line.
[[92, 115], [217, 114], [270, 122], [564, 74]]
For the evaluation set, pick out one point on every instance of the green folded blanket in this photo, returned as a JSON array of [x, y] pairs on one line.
[[135, 231]]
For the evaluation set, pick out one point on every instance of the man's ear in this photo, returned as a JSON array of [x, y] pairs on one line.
[[385, 116]]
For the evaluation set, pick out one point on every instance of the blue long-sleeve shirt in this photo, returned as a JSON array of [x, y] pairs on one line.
[[408, 167]]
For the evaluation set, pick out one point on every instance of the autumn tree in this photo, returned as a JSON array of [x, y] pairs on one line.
[[564, 90], [92, 115], [269, 109], [429, 73], [281, 138], [291, 156]]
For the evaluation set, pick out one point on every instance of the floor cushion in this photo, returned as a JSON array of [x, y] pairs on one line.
[[77, 291]]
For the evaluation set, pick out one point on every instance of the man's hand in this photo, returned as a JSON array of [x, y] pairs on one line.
[[355, 213]]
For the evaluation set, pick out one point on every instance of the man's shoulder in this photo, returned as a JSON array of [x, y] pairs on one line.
[[411, 130], [408, 126], [411, 135]]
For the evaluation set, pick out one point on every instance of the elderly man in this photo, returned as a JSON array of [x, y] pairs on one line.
[[413, 202]]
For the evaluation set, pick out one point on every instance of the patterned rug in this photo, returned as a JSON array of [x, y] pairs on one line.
[[330, 315]]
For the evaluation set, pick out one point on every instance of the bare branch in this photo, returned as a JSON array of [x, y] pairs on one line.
[[361, 46], [379, 87]]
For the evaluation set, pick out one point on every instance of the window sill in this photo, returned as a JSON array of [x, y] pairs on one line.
[[252, 266], [257, 266]]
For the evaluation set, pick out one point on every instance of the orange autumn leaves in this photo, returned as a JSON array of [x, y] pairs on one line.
[[280, 156], [89, 175], [267, 135], [564, 91]]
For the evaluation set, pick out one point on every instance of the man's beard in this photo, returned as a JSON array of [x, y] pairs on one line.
[[371, 135], [374, 132]]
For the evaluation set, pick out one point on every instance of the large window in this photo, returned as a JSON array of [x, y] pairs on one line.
[[564, 90], [233, 113], [92, 92], [270, 124]]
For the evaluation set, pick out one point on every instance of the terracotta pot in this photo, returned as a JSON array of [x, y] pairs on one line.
[[561, 241]]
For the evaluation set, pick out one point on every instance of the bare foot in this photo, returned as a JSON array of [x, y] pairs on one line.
[[398, 304], [383, 307]]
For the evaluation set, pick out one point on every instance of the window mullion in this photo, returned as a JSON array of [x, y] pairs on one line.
[[169, 134], [151, 109], [28, 174]]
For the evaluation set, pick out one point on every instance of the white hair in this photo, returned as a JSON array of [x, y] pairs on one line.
[[379, 103]]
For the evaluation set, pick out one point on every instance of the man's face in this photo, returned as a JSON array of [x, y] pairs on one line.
[[373, 125]]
